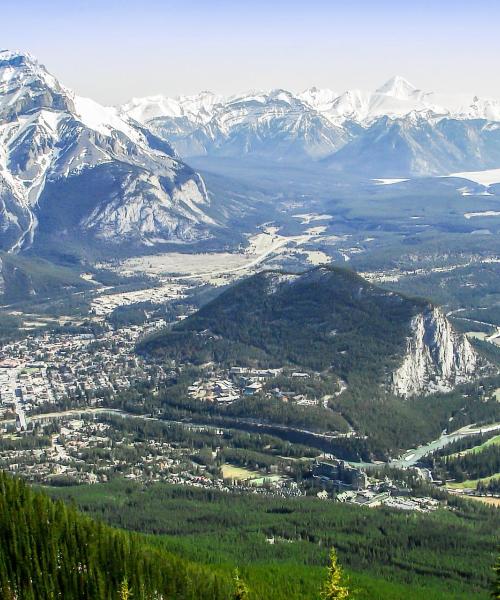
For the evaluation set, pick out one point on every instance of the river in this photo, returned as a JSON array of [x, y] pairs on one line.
[[408, 459]]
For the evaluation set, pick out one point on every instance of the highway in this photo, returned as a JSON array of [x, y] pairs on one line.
[[408, 459]]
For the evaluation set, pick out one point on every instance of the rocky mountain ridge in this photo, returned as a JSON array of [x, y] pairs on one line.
[[437, 358], [397, 130], [72, 168]]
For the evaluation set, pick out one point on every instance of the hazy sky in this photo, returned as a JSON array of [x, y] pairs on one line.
[[112, 50]]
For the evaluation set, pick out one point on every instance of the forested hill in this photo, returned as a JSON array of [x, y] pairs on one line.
[[326, 318], [48, 550]]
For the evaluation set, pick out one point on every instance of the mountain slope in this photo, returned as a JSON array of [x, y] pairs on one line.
[[49, 550], [275, 125], [420, 145], [326, 319], [396, 130], [120, 183]]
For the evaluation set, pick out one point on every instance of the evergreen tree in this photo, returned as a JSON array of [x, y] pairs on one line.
[[48, 550], [125, 591], [240, 587], [496, 584], [334, 588]]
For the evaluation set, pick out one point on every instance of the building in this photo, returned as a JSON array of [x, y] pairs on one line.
[[340, 474], [21, 423], [252, 388]]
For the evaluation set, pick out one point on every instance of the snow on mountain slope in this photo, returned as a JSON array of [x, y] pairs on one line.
[[398, 87], [318, 123], [396, 97], [274, 124], [317, 98], [52, 141], [198, 107], [419, 144], [104, 119]]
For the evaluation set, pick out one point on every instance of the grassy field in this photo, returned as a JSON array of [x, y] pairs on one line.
[[494, 441], [471, 483], [239, 473], [485, 500], [230, 471]]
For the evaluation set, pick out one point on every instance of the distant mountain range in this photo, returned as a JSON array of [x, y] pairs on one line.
[[396, 130], [73, 171], [78, 177]]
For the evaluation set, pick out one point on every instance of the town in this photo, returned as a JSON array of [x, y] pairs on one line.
[[46, 371], [63, 422]]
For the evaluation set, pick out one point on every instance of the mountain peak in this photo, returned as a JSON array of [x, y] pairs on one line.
[[14, 61], [16, 56], [26, 84], [56, 139], [398, 87]]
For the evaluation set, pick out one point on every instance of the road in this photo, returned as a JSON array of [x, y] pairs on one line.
[[412, 456], [316, 439], [408, 459]]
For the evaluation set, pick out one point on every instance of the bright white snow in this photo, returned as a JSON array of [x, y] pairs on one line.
[[485, 213], [389, 181], [487, 177]]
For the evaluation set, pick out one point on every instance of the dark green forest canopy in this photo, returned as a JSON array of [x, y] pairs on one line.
[[48, 550], [326, 318], [390, 555]]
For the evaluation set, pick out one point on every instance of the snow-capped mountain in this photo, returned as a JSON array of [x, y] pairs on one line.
[[197, 108], [420, 144], [395, 130], [71, 169], [274, 124], [397, 98]]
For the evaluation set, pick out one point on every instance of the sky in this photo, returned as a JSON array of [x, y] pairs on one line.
[[114, 50]]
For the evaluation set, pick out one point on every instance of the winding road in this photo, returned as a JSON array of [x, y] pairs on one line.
[[408, 459]]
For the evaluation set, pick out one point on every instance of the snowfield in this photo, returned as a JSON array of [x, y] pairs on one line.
[[177, 273], [487, 177], [179, 263], [389, 181], [485, 213]]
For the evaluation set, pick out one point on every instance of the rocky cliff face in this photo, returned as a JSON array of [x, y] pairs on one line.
[[437, 357], [72, 169]]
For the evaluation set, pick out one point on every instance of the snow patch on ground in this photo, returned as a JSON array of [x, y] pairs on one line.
[[316, 257], [307, 218], [388, 181], [487, 177], [316, 230], [484, 213], [180, 263]]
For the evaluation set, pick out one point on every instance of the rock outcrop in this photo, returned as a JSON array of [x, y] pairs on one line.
[[437, 357]]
